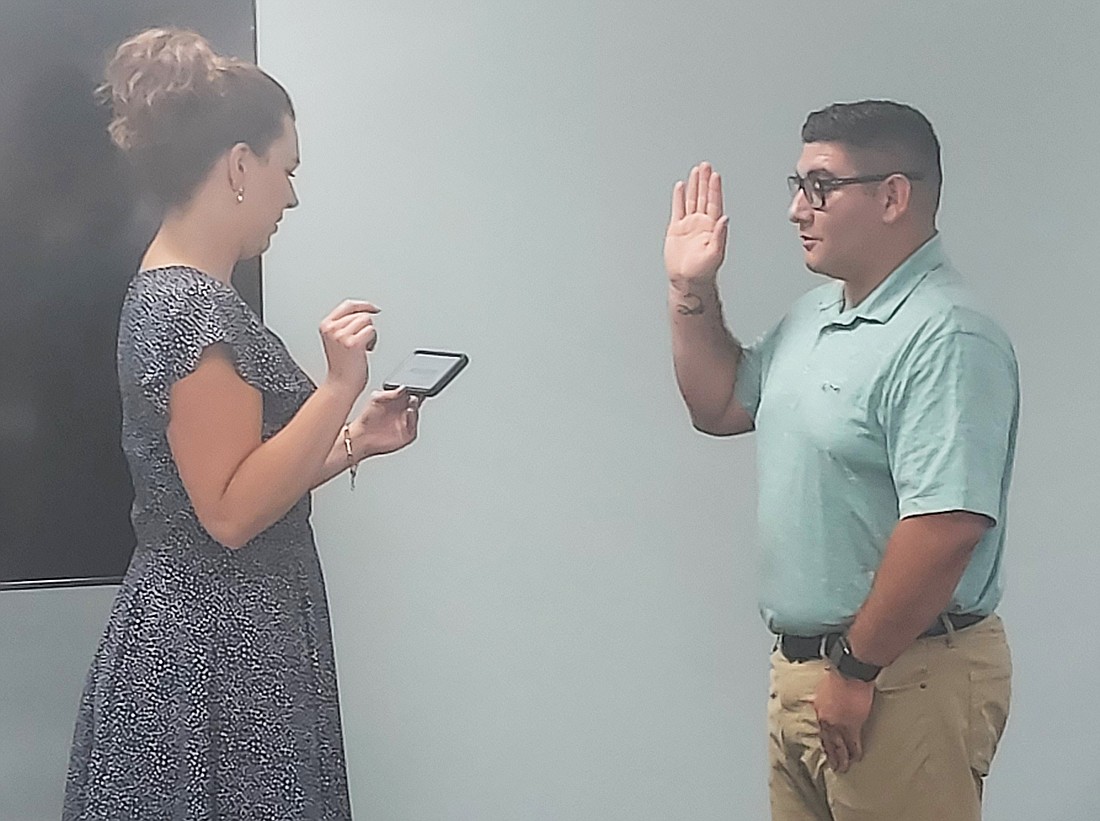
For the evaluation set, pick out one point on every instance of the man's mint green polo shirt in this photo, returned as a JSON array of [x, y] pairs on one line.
[[906, 404]]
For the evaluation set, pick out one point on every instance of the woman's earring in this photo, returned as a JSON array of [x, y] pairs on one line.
[[240, 195]]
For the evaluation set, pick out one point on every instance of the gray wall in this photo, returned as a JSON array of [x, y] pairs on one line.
[[545, 608]]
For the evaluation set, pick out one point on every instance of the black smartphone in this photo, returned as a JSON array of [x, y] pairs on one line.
[[426, 373]]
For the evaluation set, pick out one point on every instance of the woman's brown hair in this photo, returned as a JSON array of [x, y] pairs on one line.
[[178, 106]]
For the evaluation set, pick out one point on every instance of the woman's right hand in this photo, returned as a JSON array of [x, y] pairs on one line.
[[347, 334]]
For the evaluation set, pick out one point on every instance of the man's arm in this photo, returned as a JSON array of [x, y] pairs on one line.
[[950, 422], [705, 354], [924, 561]]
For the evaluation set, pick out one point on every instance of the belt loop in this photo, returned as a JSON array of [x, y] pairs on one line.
[[949, 626]]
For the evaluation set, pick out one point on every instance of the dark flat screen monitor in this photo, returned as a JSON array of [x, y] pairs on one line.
[[72, 232]]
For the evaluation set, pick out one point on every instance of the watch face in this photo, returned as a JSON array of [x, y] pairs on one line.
[[848, 665]]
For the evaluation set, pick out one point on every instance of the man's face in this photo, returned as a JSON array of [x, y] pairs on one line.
[[838, 238]]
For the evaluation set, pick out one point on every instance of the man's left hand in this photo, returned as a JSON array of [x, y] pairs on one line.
[[842, 706]]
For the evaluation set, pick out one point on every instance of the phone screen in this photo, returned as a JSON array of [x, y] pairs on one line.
[[426, 372]]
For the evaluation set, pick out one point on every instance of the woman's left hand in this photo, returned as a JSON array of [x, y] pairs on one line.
[[388, 422]]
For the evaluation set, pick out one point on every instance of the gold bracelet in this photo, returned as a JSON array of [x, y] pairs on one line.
[[353, 466]]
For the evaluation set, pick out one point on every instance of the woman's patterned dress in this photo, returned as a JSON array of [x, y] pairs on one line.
[[213, 691]]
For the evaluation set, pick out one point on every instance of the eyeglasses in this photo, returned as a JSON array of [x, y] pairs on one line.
[[816, 188]]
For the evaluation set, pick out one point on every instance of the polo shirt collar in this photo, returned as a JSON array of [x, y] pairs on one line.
[[883, 302]]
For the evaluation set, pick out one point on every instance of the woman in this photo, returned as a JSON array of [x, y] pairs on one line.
[[213, 691]]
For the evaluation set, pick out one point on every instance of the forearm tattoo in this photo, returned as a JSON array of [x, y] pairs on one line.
[[691, 305]]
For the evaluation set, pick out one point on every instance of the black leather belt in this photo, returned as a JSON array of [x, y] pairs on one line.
[[808, 648]]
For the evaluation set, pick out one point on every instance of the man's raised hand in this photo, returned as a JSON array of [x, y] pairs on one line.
[[695, 244]]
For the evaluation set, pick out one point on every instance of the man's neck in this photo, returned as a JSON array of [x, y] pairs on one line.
[[858, 288]]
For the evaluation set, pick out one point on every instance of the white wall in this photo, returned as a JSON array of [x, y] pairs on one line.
[[546, 608]]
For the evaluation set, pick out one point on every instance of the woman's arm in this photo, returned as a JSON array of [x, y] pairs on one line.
[[238, 484], [388, 423]]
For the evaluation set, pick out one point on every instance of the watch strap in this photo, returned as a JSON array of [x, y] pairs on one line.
[[846, 663]]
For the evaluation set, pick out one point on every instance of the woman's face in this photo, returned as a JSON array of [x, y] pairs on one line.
[[269, 190]]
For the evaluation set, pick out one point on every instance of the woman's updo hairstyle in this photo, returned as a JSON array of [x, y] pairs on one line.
[[178, 106]]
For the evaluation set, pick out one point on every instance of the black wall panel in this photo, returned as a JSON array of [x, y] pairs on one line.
[[72, 232]]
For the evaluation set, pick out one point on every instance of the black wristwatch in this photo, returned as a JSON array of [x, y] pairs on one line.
[[840, 654]]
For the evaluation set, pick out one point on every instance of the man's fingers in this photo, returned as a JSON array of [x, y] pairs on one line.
[[721, 233], [691, 195], [702, 194], [849, 738], [842, 760], [714, 196], [704, 187], [829, 746], [855, 749], [836, 752], [841, 749]]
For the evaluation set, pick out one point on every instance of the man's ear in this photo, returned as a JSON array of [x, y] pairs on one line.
[[897, 197]]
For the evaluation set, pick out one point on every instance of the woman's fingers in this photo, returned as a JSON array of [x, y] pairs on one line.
[[351, 313], [354, 330], [366, 339], [389, 395], [352, 306]]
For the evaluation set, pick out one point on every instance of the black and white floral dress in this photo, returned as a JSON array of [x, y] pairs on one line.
[[213, 691]]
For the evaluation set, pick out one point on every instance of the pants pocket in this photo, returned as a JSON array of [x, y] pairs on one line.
[[990, 696]]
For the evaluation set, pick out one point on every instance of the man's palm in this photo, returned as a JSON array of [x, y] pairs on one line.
[[695, 244], [692, 248]]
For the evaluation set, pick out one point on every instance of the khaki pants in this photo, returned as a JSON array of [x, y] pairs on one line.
[[938, 713]]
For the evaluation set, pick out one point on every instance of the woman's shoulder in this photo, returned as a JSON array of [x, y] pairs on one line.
[[171, 293], [175, 283]]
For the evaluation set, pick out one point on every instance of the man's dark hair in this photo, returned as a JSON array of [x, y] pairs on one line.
[[882, 125]]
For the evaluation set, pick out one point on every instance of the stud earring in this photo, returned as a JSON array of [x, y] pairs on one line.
[[240, 195]]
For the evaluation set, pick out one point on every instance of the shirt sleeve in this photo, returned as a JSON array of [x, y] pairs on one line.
[[171, 331], [950, 420], [748, 386]]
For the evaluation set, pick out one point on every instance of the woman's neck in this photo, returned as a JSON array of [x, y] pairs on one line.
[[183, 240]]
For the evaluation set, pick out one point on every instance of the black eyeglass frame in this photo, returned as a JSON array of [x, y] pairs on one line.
[[814, 187]]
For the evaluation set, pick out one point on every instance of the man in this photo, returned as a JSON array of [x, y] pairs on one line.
[[885, 405]]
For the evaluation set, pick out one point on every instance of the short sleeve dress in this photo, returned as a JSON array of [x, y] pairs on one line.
[[212, 694]]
